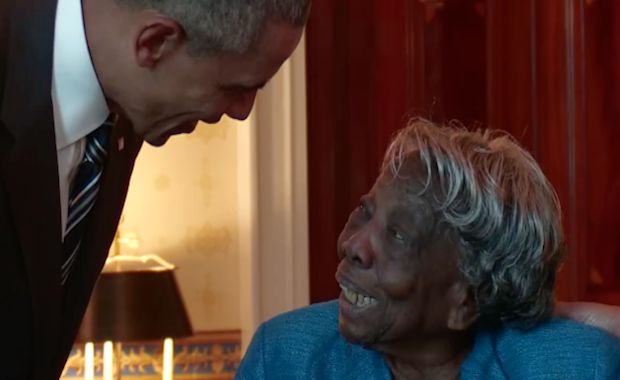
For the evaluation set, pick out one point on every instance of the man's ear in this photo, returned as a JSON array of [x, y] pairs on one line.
[[463, 310], [156, 39]]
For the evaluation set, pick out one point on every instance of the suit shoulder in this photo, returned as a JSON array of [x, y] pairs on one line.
[[562, 347], [561, 335], [287, 345], [306, 344], [310, 324]]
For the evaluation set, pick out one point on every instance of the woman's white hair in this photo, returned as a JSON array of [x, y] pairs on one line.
[[507, 216]]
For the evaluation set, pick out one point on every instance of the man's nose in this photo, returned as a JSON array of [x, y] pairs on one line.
[[241, 106]]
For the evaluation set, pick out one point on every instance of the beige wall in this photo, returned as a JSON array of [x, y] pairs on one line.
[[182, 204]]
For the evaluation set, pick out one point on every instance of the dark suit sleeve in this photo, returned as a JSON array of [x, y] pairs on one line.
[[4, 38], [5, 137]]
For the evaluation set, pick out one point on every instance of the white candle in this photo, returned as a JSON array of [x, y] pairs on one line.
[[168, 365], [89, 361], [108, 361]]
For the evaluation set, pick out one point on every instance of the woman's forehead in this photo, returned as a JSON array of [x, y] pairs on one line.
[[410, 178], [403, 195]]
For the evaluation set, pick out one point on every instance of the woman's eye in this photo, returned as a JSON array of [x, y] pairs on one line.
[[363, 209], [396, 235]]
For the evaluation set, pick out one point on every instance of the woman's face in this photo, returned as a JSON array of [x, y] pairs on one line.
[[397, 266]]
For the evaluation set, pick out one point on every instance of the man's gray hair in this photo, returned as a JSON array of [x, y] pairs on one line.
[[505, 212], [213, 26]]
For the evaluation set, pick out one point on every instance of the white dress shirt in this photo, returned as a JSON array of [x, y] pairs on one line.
[[77, 97]]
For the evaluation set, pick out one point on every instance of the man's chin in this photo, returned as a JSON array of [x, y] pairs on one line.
[[157, 141], [163, 136]]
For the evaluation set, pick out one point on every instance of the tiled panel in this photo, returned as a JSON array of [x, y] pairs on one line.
[[208, 356]]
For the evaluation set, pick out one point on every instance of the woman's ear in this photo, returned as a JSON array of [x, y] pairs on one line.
[[463, 311], [156, 39]]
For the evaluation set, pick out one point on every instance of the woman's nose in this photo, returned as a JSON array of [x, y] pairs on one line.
[[358, 250]]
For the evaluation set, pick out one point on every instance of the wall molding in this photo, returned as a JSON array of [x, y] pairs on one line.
[[209, 355], [273, 211]]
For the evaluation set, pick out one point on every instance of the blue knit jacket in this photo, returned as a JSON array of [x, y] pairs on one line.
[[305, 344]]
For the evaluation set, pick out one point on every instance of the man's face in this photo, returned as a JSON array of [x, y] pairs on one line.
[[184, 89], [396, 267]]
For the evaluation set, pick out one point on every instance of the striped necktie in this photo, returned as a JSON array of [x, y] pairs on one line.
[[84, 193]]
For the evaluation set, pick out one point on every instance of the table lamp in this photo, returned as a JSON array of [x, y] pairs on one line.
[[135, 299]]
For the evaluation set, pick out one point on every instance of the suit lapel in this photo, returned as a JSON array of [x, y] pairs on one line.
[[29, 165]]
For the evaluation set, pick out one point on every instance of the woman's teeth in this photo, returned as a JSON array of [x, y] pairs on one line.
[[356, 298]]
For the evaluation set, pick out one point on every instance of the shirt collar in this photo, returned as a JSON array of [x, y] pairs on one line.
[[79, 104]]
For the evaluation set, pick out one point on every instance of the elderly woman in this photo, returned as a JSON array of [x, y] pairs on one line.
[[447, 269]]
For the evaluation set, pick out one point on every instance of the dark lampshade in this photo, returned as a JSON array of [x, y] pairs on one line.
[[135, 306]]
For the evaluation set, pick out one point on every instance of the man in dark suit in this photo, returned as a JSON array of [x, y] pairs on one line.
[[66, 66]]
